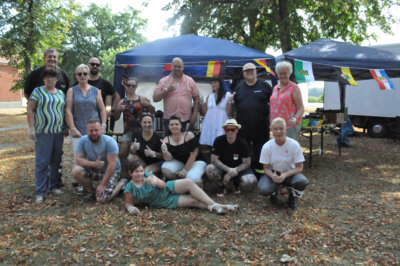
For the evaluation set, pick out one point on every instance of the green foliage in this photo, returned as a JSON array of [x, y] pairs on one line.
[[284, 24], [96, 30], [28, 27], [108, 62]]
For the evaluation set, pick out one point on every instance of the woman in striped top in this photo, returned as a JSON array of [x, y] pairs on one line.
[[45, 120]]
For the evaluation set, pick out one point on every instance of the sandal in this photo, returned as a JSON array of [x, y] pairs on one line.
[[231, 207], [217, 208]]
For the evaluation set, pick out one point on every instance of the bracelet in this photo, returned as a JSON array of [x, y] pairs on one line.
[[104, 125], [72, 128]]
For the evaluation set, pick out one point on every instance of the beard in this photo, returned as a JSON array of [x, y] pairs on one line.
[[94, 71], [94, 139]]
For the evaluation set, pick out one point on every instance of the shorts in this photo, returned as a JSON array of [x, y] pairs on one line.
[[98, 176], [127, 136]]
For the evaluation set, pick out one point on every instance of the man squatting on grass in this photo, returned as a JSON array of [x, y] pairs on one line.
[[97, 160]]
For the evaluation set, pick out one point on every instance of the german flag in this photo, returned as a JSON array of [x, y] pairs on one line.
[[213, 69], [263, 62]]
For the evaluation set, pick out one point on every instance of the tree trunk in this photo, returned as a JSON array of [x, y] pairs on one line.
[[284, 29]]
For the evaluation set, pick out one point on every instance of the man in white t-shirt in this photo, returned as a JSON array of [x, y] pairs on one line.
[[282, 159]]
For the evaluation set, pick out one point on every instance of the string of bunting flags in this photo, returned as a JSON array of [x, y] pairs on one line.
[[304, 73]]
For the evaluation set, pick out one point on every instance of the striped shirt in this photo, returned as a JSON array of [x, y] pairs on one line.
[[49, 113]]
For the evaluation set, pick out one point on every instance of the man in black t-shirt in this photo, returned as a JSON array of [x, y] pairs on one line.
[[251, 102], [230, 159], [35, 78], [104, 86]]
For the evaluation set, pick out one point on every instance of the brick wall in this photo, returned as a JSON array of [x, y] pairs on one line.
[[7, 76]]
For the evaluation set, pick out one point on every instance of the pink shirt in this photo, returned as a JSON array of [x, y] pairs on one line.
[[282, 103], [178, 102]]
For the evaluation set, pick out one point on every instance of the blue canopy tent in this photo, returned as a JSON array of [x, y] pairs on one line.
[[150, 61], [329, 56]]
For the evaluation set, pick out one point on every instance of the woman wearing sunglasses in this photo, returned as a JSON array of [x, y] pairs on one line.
[[83, 103], [230, 160], [132, 107]]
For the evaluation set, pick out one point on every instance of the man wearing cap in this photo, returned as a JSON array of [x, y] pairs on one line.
[[230, 159], [251, 102], [177, 91]]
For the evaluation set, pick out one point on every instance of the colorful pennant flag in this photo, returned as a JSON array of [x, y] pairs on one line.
[[263, 62], [382, 78], [126, 66], [167, 67], [213, 69], [303, 71], [346, 74]]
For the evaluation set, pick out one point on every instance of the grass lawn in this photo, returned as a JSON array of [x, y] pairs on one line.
[[349, 215]]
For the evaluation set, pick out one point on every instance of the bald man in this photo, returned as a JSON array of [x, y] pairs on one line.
[[179, 93]]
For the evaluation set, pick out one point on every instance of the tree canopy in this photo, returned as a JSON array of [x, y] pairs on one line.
[[284, 24], [28, 27], [96, 30]]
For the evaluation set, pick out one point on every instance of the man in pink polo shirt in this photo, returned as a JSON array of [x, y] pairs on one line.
[[178, 90]]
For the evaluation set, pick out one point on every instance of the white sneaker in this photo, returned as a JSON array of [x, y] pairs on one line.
[[56, 191], [39, 199]]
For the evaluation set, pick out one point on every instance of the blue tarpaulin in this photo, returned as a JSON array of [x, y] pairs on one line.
[[147, 61], [327, 56]]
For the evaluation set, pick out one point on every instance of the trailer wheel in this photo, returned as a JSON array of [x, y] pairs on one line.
[[377, 128]]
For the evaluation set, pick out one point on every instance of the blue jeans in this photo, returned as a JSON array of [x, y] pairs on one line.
[[48, 149]]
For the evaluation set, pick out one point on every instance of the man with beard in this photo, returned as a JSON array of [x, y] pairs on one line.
[[97, 160], [103, 85]]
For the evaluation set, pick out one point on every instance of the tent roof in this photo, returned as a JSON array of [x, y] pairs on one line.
[[340, 54], [191, 48]]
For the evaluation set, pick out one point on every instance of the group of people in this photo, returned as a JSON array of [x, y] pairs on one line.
[[237, 145]]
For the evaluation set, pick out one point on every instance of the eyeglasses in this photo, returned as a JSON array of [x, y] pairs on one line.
[[232, 129], [82, 74], [94, 64], [131, 85]]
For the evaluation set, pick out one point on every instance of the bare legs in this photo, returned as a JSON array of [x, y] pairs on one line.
[[123, 157]]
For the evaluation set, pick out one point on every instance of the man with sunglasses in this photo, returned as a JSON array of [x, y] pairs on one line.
[[230, 160], [108, 93], [35, 79]]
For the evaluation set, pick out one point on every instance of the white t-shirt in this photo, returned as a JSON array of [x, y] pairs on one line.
[[283, 157]]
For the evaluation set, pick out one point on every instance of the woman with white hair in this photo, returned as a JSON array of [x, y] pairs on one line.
[[286, 101], [282, 159], [83, 103]]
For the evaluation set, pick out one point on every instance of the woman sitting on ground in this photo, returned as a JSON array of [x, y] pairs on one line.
[[283, 163], [180, 150], [146, 146], [151, 190]]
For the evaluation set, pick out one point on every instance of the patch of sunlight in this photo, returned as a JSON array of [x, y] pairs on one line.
[[392, 195]]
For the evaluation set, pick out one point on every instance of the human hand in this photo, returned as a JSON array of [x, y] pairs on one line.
[[99, 164], [133, 210], [231, 98], [164, 147], [135, 146], [100, 190], [32, 133], [149, 152], [75, 133], [232, 172], [292, 121], [226, 179], [182, 173], [171, 88]]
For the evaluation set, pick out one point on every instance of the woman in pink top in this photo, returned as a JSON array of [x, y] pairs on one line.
[[286, 100]]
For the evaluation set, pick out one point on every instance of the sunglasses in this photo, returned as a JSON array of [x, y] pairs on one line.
[[82, 74], [94, 64], [233, 129], [131, 85]]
